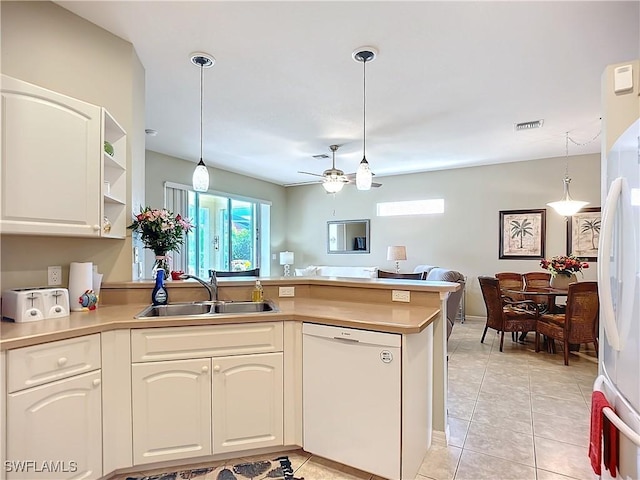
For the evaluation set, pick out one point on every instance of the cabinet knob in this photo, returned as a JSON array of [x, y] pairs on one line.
[[205, 369], [216, 368], [96, 228], [62, 361], [96, 382]]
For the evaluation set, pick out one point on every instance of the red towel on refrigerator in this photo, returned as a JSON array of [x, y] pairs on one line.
[[610, 444], [601, 428]]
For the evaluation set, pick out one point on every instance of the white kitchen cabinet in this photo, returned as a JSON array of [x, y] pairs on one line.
[[114, 179], [54, 166], [54, 410], [247, 402], [57, 426], [171, 410], [192, 384]]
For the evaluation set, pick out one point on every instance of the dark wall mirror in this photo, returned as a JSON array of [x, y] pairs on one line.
[[348, 236]]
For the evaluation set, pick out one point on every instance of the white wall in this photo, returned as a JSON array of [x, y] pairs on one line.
[[161, 168], [49, 46], [465, 237]]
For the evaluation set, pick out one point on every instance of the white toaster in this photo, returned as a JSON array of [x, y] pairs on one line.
[[30, 304]]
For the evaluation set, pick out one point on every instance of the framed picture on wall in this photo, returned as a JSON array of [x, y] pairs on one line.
[[522, 234], [583, 233]]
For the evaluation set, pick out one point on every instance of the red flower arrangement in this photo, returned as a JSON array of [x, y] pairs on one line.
[[563, 265], [160, 230]]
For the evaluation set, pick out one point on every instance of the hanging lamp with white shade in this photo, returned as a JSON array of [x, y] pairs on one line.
[[201, 173], [364, 175], [567, 206]]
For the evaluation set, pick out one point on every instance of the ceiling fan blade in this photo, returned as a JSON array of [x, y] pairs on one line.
[[352, 176], [314, 174], [376, 184], [300, 184]]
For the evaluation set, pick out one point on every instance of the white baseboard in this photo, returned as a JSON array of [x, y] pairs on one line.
[[439, 437]]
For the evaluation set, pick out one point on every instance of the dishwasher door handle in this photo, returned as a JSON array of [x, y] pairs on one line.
[[350, 340]]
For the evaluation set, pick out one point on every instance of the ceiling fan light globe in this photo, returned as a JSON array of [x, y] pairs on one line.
[[333, 185], [364, 176], [200, 178]]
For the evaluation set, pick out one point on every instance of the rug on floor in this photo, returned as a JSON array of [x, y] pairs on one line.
[[277, 469]]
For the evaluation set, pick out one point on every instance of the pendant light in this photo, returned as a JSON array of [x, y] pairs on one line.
[[567, 206], [363, 173], [201, 173]]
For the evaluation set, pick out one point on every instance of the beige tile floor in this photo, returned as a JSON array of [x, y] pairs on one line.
[[515, 415]]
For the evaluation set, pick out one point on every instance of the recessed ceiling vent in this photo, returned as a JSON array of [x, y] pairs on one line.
[[322, 155], [528, 125]]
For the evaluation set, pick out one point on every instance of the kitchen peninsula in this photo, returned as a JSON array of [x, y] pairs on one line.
[[209, 365]]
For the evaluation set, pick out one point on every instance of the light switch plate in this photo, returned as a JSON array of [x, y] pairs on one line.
[[286, 291], [401, 296]]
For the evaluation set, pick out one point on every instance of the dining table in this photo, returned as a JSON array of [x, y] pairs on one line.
[[550, 307], [549, 292]]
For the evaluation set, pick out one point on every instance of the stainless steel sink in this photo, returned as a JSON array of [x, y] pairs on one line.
[[201, 309], [244, 307]]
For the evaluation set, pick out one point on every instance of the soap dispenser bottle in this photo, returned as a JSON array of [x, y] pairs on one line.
[[159, 296], [257, 295]]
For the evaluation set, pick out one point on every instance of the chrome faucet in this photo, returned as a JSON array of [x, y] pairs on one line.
[[212, 286]]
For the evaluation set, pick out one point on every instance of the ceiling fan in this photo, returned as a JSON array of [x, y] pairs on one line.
[[334, 179]]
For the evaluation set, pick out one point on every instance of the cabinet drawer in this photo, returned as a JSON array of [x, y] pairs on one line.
[[39, 364], [153, 344]]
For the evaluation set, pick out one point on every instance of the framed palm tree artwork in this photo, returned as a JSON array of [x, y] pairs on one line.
[[583, 234], [522, 234]]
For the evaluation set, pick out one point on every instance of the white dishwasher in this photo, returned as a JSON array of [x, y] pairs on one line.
[[352, 397]]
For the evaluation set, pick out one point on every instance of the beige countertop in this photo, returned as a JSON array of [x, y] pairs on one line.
[[388, 317], [379, 317]]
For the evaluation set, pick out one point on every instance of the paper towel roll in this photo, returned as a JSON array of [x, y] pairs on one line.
[[80, 281]]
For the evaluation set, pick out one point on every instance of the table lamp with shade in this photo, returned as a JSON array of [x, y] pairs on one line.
[[286, 259], [396, 253]]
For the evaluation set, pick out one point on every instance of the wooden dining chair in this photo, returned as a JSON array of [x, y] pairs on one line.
[[511, 281], [505, 315], [578, 324], [533, 280], [242, 273], [406, 276]]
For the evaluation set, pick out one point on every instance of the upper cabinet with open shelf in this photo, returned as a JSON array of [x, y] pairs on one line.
[[55, 177]]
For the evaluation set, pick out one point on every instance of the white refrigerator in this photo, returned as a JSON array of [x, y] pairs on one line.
[[619, 261]]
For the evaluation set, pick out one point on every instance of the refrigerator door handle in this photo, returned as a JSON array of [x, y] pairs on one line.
[[616, 333], [604, 253], [625, 429]]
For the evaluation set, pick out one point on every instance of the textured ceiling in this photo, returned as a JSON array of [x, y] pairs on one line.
[[449, 82]]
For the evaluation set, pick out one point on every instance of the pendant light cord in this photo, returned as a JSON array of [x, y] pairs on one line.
[[567, 139], [201, 90], [566, 155], [364, 108]]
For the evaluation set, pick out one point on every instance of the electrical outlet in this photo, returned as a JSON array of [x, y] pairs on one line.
[[401, 296], [286, 291], [54, 275]]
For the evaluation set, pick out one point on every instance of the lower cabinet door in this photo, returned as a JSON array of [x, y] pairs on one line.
[[247, 402], [171, 410], [54, 431]]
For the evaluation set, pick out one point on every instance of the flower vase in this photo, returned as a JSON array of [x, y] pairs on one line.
[[162, 262], [561, 282]]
